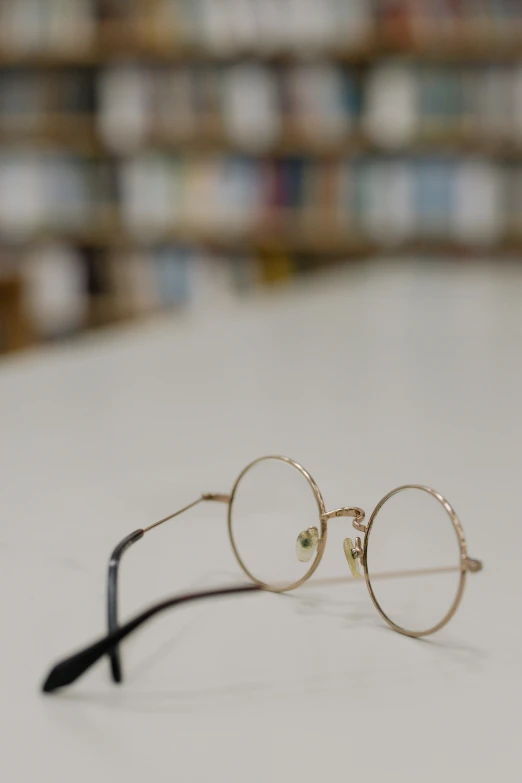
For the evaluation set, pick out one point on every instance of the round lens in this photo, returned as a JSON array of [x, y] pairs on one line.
[[274, 522], [413, 559]]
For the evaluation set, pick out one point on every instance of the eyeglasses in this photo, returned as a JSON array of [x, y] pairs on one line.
[[414, 555]]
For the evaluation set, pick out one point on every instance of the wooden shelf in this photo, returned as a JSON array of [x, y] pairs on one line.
[[472, 46], [310, 234], [116, 46], [14, 329], [79, 135], [275, 234], [118, 41], [71, 132]]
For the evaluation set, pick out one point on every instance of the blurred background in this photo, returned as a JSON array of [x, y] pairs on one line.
[[158, 153]]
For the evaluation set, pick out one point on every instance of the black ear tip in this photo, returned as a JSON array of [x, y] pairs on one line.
[[52, 682], [62, 674], [116, 666]]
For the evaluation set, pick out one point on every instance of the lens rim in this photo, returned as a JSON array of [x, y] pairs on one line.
[[321, 544], [461, 539]]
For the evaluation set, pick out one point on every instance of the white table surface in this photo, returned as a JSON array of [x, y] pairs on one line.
[[370, 377]]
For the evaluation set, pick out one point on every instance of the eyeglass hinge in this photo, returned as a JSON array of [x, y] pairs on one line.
[[217, 496], [473, 565]]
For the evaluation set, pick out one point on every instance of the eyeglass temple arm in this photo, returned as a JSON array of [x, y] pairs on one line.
[[71, 668], [470, 564], [112, 582]]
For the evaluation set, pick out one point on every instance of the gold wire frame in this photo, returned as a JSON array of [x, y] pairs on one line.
[[321, 544], [464, 562], [359, 550]]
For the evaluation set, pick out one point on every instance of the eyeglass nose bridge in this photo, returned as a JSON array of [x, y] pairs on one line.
[[355, 512]]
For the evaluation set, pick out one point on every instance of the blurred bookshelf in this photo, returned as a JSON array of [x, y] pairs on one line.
[[149, 148]]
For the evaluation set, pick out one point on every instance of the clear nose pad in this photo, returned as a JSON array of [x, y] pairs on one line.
[[350, 552], [306, 544]]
